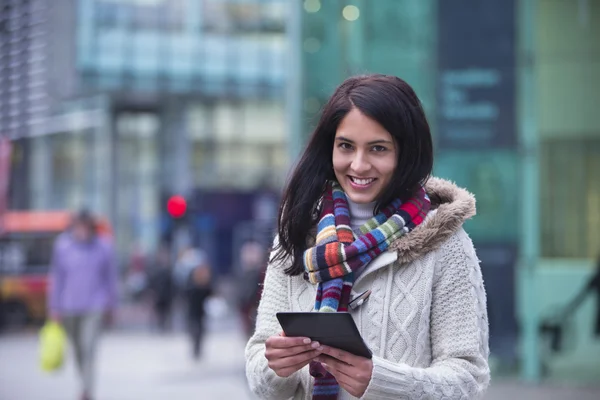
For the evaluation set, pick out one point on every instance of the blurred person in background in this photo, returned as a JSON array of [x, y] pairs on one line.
[[83, 291], [193, 274], [253, 261], [136, 280], [364, 228], [162, 288]]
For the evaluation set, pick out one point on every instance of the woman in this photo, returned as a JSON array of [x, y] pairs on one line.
[[362, 190], [83, 291]]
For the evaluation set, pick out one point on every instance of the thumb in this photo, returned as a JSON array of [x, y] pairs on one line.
[[282, 333]]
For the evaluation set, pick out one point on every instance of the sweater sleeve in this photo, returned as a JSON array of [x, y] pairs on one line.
[[458, 332], [262, 380]]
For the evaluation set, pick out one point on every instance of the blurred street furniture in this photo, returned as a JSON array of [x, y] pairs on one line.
[[556, 328], [194, 278], [25, 251]]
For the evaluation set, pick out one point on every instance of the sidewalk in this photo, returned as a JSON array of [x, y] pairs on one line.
[[135, 364], [132, 366], [510, 390]]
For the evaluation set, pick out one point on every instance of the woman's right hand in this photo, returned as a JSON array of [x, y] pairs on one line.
[[287, 355]]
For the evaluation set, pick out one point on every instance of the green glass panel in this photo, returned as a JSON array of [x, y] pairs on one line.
[[398, 37], [492, 177]]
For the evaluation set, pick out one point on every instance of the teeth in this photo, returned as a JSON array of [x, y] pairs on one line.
[[362, 181]]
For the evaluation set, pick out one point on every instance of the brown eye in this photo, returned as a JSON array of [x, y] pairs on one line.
[[379, 148], [345, 146]]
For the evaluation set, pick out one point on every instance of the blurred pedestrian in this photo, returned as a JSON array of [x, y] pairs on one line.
[[193, 273], [364, 229], [253, 262], [83, 291], [136, 280], [162, 288]]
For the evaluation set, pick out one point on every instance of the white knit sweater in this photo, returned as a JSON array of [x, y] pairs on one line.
[[425, 320]]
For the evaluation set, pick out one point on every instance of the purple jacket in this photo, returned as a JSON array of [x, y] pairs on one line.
[[83, 276]]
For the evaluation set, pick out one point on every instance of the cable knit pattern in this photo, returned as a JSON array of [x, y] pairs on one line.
[[425, 320], [406, 308], [373, 322], [459, 335]]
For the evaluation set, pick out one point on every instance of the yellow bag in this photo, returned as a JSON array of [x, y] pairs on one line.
[[53, 340]]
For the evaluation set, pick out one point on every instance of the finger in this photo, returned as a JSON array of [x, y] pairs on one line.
[[359, 374], [283, 342], [345, 381], [287, 371], [338, 366], [274, 353], [335, 364], [341, 355], [287, 362]]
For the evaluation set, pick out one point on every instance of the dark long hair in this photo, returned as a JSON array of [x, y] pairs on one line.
[[394, 105]]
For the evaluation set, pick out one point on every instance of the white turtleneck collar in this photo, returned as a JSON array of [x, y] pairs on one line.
[[360, 213]]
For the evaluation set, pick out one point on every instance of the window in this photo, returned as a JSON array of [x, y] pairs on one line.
[[149, 15], [29, 253], [244, 17], [566, 72], [570, 198], [238, 144]]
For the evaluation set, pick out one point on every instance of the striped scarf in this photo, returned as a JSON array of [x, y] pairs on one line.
[[338, 253]]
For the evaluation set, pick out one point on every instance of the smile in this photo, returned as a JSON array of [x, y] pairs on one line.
[[362, 181]]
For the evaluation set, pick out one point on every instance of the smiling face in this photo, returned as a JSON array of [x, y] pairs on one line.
[[364, 157]]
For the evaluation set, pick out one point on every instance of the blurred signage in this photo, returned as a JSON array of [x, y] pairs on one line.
[[476, 82], [477, 137]]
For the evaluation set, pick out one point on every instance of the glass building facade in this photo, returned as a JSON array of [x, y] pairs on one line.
[[24, 95], [210, 47], [510, 100], [564, 88], [152, 98]]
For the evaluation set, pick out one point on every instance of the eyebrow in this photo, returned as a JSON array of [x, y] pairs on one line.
[[343, 139]]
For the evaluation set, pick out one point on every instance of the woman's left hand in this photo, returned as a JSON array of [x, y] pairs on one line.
[[353, 373]]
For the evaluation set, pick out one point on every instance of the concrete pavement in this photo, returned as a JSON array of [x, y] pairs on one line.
[[131, 365], [136, 364]]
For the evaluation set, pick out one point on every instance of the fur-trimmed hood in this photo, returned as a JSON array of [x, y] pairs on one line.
[[451, 206]]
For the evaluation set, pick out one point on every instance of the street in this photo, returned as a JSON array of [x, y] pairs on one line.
[[136, 364]]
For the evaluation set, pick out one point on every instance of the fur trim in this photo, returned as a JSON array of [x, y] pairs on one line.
[[453, 206]]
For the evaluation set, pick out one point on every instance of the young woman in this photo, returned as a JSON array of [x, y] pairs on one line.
[[361, 214], [83, 293]]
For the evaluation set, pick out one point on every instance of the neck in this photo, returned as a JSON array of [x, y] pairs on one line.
[[360, 213]]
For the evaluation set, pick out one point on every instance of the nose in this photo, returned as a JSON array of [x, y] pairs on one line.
[[360, 164]]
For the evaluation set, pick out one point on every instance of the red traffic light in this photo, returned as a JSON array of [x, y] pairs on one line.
[[176, 206]]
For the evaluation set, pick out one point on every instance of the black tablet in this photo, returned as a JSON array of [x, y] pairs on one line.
[[331, 329]]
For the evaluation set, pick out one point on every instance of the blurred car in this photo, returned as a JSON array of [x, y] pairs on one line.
[[26, 246]]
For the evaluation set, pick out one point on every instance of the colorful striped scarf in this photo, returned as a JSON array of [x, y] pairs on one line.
[[338, 253]]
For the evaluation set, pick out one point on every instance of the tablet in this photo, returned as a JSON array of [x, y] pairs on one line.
[[331, 329]]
